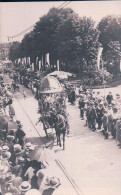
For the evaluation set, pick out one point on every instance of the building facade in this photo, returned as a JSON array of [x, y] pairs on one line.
[[4, 51]]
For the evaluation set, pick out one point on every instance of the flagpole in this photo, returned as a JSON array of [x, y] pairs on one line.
[[103, 78]]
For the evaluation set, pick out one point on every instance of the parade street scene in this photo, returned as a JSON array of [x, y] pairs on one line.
[[60, 98]]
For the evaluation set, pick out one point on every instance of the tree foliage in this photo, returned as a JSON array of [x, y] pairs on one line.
[[74, 41], [112, 58], [14, 51], [110, 30]]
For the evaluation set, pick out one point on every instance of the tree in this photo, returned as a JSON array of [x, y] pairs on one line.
[[14, 51], [110, 30], [88, 46], [111, 58]]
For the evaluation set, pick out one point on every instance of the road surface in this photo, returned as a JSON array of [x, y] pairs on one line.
[[91, 162]]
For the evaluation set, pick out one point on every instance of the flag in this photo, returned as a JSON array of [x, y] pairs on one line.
[[47, 58], [58, 65], [120, 65], [28, 60], [25, 60], [42, 60], [32, 66], [40, 65], [36, 60], [100, 49]]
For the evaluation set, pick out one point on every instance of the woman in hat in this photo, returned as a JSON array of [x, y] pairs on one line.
[[3, 172], [5, 159], [9, 185], [16, 171], [50, 185]]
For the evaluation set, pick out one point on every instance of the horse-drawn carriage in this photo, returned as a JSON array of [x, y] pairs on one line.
[[52, 107]]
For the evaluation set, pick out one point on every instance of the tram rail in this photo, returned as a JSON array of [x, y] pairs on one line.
[[57, 161]]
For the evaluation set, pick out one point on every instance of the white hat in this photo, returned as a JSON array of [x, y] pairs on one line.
[[8, 193], [17, 146], [5, 148], [28, 145], [33, 192], [6, 155], [25, 186], [9, 178], [52, 182]]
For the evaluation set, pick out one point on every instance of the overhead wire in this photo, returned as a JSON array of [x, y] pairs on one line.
[[31, 27]]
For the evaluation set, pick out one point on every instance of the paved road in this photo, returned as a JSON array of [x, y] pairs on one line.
[[93, 163], [27, 112]]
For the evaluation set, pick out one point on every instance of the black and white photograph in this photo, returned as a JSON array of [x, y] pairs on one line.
[[60, 98]]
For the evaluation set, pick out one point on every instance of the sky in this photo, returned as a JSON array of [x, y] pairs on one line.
[[17, 16]]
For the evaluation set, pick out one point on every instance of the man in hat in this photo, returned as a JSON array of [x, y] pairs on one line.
[[20, 134], [24, 187], [115, 118], [81, 107], [50, 185], [99, 113], [92, 116], [109, 98], [9, 185], [105, 124]]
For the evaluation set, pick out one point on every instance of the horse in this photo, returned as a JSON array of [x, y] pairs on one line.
[[60, 128], [57, 122]]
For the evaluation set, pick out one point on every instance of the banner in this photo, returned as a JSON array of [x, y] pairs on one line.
[[100, 49], [58, 66], [40, 65], [32, 66]]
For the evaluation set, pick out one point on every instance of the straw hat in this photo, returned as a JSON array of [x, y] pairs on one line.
[[21, 160], [5, 148], [17, 146], [52, 182], [10, 138], [9, 178], [28, 145], [6, 155], [18, 151], [33, 192], [25, 186], [16, 169]]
